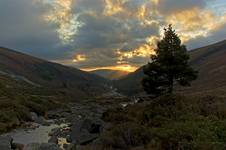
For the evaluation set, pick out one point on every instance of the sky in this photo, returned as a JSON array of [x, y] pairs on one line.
[[106, 34]]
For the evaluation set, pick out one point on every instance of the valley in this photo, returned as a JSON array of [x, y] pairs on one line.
[[47, 106]]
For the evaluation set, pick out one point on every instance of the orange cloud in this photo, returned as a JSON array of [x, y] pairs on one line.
[[195, 22], [79, 58], [144, 50], [112, 7]]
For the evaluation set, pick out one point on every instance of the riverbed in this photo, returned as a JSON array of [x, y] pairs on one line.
[[39, 134]]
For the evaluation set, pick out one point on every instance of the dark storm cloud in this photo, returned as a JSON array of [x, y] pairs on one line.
[[110, 32], [22, 28]]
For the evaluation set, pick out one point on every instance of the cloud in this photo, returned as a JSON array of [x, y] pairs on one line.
[[167, 7], [104, 33], [216, 35], [23, 28], [196, 22]]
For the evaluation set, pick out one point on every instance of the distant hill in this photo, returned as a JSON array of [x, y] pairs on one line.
[[110, 74], [47, 74], [131, 83], [210, 61]]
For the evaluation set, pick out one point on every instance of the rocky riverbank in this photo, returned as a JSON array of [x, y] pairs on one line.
[[65, 129], [85, 124]]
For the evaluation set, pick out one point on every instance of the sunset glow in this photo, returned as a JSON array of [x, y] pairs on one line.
[[79, 58], [126, 68]]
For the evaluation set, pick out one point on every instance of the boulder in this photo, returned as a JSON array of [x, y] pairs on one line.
[[34, 116], [5, 142], [17, 146], [54, 132], [59, 113], [43, 146], [70, 147], [93, 126], [53, 139], [83, 132], [84, 138], [68, 139], [41, 120]]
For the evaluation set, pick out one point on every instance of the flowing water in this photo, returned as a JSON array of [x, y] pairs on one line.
[[37, 135]]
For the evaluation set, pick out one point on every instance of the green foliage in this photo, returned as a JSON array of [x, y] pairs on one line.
[[18, 99], [46, 71], [168, 123], [169, 65], [125, 136]]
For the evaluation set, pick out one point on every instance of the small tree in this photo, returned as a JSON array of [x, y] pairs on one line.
[[169, 65]]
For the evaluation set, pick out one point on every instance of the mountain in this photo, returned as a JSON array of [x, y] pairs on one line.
[[131, 83], [42, 73], [210, 61], [110, 74]]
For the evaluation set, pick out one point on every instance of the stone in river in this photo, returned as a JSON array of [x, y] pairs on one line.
[[5, 142], [53, 139], [43, 146], [17, 146]]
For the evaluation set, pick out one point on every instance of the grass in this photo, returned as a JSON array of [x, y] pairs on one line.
[[168, 123], [18, 99]]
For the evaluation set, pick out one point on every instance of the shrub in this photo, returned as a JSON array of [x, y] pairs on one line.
[[168, 123], [126, 135]]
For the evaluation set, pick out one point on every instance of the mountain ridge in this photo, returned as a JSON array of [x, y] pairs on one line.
[[50, 74], [110, 74]]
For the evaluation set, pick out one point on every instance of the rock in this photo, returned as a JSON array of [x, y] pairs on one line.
[[85, 131], [53, 139], [93, 126], [69, 147], [86, 124], [85, 138], [68, 138], [55, 114], [54, 132], [96, 128], [82, 136], [17, 146], [43, 146], [41, 120], [5, 142], [34, 116]]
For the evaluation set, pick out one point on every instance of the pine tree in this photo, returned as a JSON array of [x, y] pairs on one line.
[[168, 66]]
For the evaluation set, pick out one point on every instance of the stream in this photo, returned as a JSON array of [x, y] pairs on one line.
[[37, 135], [77, 127]]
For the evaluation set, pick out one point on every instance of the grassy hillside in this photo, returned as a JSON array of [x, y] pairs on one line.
[[211, 63], [52, 75], [29, 84], [18, 99]]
